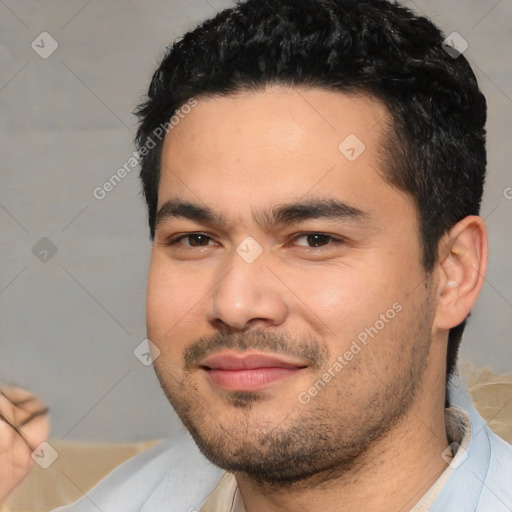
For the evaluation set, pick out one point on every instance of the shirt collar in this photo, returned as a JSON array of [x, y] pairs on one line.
[[459, 433], [223, 496]]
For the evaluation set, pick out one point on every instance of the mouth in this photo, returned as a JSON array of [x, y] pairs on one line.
[[232, 371]]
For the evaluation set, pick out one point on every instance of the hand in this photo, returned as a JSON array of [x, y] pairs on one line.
[[24, 425]]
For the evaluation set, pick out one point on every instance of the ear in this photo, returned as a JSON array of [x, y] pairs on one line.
[[463, 253]]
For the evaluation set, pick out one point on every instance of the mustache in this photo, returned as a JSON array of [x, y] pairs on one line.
[[304, 347]]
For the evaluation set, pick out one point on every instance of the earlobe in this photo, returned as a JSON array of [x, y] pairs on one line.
[[462, 263]]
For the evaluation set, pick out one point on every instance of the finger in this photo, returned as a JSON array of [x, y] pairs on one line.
[[25, 415], [32, 416], [16, 429], [36, 428], [24, 406]]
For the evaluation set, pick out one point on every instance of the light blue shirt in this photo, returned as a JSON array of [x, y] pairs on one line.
[[175, 477]]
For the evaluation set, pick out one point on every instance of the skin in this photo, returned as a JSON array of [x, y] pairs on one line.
[[20, 410], [383, 413]]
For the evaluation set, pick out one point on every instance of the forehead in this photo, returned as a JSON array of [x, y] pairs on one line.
[[264, 147], [279, 118]]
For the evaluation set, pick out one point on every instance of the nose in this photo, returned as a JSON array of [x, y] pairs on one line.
[[247, 295]]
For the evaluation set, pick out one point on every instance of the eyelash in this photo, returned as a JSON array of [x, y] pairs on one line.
[[334, 240]]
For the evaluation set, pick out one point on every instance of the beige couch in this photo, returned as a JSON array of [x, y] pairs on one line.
[[80, 465]]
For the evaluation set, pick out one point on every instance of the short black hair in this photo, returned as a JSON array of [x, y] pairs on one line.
[[436, 146]]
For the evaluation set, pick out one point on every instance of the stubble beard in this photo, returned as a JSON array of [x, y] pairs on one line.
[[311, 444]]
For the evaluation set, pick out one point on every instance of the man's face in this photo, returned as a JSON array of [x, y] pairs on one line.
[[290, 352]]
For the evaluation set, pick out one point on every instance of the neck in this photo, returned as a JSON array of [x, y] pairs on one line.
[[391, 475]]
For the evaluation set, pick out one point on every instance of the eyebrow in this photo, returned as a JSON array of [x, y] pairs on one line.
[[176, 208], [284, 214]]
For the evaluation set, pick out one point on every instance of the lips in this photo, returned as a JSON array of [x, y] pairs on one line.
[[249, 371], [248, 361]]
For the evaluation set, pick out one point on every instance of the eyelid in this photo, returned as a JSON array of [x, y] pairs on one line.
[[177, 238], [335, 239]]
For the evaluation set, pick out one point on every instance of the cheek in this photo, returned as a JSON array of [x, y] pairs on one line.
[[340, 296], [170, 301], [344, 301]]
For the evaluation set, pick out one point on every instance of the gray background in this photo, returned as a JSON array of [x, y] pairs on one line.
[[68, 326]]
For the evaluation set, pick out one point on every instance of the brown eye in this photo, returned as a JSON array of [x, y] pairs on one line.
[[192, 240], [314, 240], [198, 240]]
